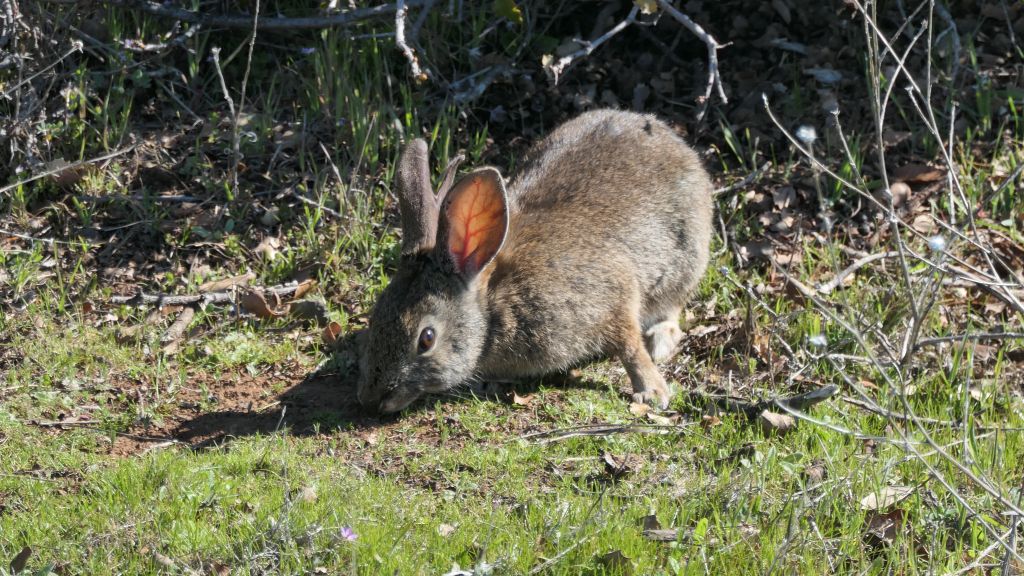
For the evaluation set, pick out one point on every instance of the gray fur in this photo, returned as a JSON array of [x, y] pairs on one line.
[[609, 233]]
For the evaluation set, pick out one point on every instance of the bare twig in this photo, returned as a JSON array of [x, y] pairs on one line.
[[236, 156], [414, 64], [558, 434], [71, 166], [246, 21], [141, 298], [555, 69], [714, 79], [837, 281], [746, 181], [971, 337]]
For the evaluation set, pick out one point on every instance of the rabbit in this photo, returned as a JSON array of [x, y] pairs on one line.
[[590, 251]]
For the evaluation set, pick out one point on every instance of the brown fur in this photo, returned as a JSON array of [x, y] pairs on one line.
[[609, 232]]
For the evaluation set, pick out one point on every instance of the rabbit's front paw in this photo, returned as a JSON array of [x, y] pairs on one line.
[[662, 339], [657, 396]]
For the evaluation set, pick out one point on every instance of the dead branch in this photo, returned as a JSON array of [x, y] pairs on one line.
[[714, 79], [970, 337], [554, 70], [746, 181], [417, 73], [828, 287], [141, 298], [558, 434], [246, 21]]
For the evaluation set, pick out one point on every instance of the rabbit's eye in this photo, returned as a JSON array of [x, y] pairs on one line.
[[426, 341]]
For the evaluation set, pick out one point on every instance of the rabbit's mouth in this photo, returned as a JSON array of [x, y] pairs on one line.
[[398, 399]]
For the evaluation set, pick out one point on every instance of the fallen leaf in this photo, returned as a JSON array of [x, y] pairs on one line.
[[824, 75], [647, 6], [639, 408], [219, 569], [784, 197], [308, 494], [330, 333], [660, 420], [267, 248], [303, 288], [618, 466], [225, 283], [882, 527], [312, 310], [709, 421], [617, 562], [756, 249], [522, 400], [775, 423], [815, 472], [885, 497], [900, 193], [445, 530], [662, 535], [650, 522], [917, 174], [19, 561], [254, 303]]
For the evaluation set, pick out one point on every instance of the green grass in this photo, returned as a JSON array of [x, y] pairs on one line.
[[461, 480]]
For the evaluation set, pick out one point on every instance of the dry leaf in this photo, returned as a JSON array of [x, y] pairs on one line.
[[756, 249], [308, 494], [900, 193], [618, 466], [639, 408], [660, 420], [445, 530], [303, 288], [617, 562], [522, 400], [885, 497], [709, 421], [254, 303], [882, 527], [647, 6], [815, 472], [19, 561], [650, 522], [775, 423], [330, 333], [662, 535], [309, 310], [917, 174], [267, 248], [219, 569], [225, 283]]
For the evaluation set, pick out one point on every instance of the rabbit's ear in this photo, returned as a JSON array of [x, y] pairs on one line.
[[474, 221], [418, 207]]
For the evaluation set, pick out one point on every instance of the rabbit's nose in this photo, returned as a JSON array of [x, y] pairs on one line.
[[369, 395]]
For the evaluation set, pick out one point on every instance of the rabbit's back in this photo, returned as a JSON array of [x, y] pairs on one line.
[[611, 205]]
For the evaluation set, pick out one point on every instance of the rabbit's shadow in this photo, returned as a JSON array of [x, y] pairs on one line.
[[325, 400]]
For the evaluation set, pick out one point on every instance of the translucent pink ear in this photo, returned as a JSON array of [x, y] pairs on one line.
[[420, 209], [474, 221]]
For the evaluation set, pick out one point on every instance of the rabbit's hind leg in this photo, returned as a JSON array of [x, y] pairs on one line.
[[649, 385], [663, 336]]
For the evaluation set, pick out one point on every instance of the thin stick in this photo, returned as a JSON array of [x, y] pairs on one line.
[[714, 80], [141, 298], [837, 281], [747, 180], [975, 337], [556, 69], [414, 64], [246, 21], [71, 166]]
